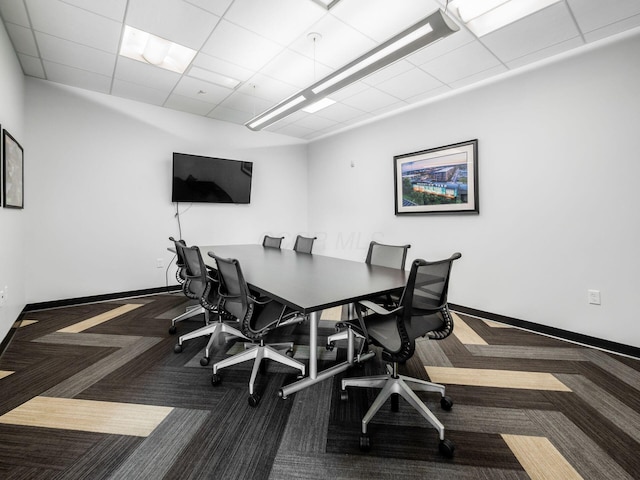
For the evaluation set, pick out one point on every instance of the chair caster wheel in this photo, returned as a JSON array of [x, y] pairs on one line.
[[330, 346], [289, 352], [204, 361], [216, 379], [254, 399], [172, 330], [395, 404], [344, 395], [177, 348], [446, 403], [365, 443], [446, 448]]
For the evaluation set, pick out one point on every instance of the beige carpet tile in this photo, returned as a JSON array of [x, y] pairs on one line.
[[540, 459], [575, 445], [98, 319], [87, 415], [5, 373], [496, 378], [465, 333], [26, 323], [492, 324]]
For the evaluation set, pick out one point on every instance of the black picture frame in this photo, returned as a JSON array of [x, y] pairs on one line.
[[442, 180], [12, 172]]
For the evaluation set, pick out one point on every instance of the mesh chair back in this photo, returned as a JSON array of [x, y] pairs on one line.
[[196, 273], [233, 288], [181, 275], [392, 256], [304, 244], [272, 242]]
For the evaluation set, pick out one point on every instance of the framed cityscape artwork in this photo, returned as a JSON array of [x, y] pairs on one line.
[[437, 180], [12, 172]]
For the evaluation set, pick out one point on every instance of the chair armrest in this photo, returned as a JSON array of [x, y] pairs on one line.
[[378, 308]]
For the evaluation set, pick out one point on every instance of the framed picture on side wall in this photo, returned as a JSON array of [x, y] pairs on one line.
[[438, 180], [12, 172]]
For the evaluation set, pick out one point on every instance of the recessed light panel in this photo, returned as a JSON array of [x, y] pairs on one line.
[[147, 48]]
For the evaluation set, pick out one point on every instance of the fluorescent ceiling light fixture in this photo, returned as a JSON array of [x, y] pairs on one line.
[[319, 105], [428, 30], [485, 16], [213, 77], [147, 48]]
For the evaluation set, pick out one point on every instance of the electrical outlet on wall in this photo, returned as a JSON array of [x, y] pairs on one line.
[[594, 297]]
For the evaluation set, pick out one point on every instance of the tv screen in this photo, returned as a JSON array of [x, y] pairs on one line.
[[210, 180]]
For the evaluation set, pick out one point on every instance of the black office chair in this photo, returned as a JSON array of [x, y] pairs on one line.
[[258, 316], [272, 242], [304, 244], [423, 312], [181, 276], [382, 255], [200, 279]]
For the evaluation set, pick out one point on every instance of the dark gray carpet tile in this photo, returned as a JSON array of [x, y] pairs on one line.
[[178, 309], [429, 352], [102, 459], [155, 456], [26, 473], [165, 386], [239, 441], [612, 440], [82, 380], [607, 404], [526, 352], [43, 448], [587, 457], [501, 397], [625, 369], [88, 339], [297, 465], [309, 413], [46, 371]]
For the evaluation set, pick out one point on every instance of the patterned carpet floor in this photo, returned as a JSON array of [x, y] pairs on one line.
[[96, 391]]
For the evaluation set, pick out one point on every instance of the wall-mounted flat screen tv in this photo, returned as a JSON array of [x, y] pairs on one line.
[[210, 180]]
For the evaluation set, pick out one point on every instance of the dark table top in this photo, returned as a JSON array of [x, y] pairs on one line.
[[308, 282]]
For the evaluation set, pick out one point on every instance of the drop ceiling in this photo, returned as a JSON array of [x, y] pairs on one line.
[[266, 46]]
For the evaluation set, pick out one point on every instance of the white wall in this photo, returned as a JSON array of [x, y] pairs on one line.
[[559, 169], [12, 222], [98, 190]]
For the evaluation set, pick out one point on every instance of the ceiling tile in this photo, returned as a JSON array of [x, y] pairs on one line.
[[409, 84], [174, 20], [339, 45], [479, 76], [442, 47], [556, 49], [222, 67], [75, 24], [463, 62], [75, 55], [230, 115], [370, 100], [422, 97], [267, 88], [241, 47], [146, 75], [113, 9], [31, 65], [340, 112], [386, 73], [295, 69], [281, 21], [217, 7], [592, 15], [189, 105], [246, 103], [382, 19], [541, 30], [613, 29], [77, 77], [201, 90], [14, 12], [138, 92], [23, 40]]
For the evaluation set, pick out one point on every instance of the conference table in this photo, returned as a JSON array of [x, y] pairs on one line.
[[309, 284]]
